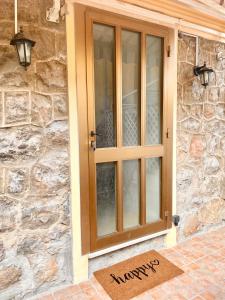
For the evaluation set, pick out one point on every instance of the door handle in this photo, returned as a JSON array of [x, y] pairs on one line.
[[95, 133], [93, 145]]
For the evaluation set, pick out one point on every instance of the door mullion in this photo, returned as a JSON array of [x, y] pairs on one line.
[[143, 88], [143, 193], [119, 199], [118, 88]]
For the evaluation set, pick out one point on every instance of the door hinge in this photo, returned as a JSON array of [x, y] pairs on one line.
[[168, 51], [167, 133]]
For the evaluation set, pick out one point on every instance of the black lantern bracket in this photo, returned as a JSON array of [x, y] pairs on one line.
[[23, 47], [204, 73]]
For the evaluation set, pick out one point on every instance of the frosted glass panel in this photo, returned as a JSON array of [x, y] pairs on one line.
[[153, 189], [104, 69], [131, 193], [131, 87], [154, 69], [106, 199]]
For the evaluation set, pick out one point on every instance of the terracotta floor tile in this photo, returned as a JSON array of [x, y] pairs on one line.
[[85, 285], [203, 260], [47, 297]]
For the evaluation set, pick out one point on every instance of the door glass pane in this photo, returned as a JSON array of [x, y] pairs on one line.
[[106, 198], [104, 70], [154, 70], [131, 87], [153, 189], [131, 193]]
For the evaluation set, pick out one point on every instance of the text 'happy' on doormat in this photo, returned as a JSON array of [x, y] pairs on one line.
[[136, 275]]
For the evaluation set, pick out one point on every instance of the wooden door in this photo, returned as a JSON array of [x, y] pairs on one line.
[[129, 144]]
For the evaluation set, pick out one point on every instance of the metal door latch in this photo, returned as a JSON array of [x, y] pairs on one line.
[[93, 145]]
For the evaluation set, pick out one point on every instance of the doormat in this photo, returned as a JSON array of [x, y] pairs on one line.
[[136, 275]]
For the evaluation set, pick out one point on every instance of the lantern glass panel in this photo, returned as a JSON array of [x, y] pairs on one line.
[[28, 52], [20, 50], [24, 53], [202, 78], [206, 78]]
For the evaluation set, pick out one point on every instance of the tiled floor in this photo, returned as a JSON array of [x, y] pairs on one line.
[[203, 260]]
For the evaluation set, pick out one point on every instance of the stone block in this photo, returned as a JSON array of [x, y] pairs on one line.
[[20, 144], [213, 144], [17, 78], [7, 10], [51, 173], [1, 109], [204, 56], [196, 111], [191, 125], [185, 176], [8, 63], [30, 244], [28, 11], [191, 225], [8, 214], [45, 269], [60, 109], [17, 107], [183, 112], [17, 181], [222, 145], [61, 46], [183, 141], [45, 42], [220, 110], [9, 275], [217, 65], [193, 92], [185, 72], [219, 78], [197, 146], [222, 188], [212, 212], [51, 76], [210, 186], [182, 50], [186, 49], [6, 32], [211, 126], [2, 251], [36, 215], [211, 165], [57, 134], [2, 180], [209, 111], [210, 45], [214, 94], [41, 109]]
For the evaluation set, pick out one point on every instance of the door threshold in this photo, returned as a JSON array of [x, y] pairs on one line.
[[126, 244]]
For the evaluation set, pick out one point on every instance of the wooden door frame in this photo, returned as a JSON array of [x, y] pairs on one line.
[[80, 17]]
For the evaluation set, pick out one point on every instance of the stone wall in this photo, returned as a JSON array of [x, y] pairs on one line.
[[35, 247], [200, 139]]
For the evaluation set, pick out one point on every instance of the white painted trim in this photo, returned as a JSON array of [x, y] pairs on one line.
[[80, 262], [126, 244], [147, 15]]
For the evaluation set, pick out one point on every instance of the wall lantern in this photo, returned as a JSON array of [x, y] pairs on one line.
[[23, 47], [204, 73]]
